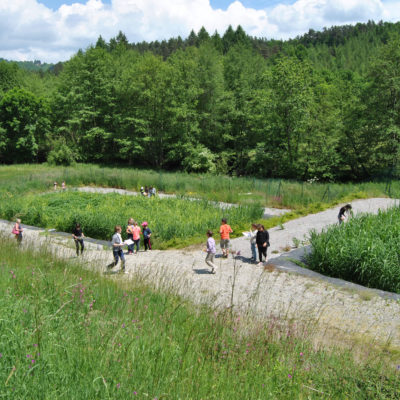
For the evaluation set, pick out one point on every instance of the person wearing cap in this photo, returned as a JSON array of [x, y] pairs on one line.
[[142, 190], [146, 236]]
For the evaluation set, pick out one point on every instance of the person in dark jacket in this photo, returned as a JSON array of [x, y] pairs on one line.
[[344, 213], [262, 240]]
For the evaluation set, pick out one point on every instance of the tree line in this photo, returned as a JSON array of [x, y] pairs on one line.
[[324, 105]]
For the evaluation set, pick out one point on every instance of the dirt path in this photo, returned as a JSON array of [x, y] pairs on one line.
[[341, 313]]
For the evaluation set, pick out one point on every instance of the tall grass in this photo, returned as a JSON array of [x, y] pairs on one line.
[[270, 192], [67, 333], [365, 250], [173, 222]]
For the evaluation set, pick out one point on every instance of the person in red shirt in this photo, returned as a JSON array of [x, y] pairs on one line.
[[224, 231], [136, 232]]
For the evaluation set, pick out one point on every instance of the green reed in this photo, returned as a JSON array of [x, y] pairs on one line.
[[366, 250]]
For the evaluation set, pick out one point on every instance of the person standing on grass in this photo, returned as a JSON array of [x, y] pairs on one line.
[[224, 231], [344, 213], [136, 232], [146, 236], [63, 186], [129, 231], [17, 231], [117, 244], [211, 250], [55, 185], [78, 238], [253, 244], [262, 240]]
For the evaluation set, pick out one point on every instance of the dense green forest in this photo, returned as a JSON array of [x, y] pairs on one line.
[[325, 105]]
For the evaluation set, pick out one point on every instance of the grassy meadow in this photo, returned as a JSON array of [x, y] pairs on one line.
[[365, 250], [175, 222], [16, 179], [69, 333]]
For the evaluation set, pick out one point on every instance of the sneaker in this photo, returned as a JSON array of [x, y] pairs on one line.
[[213, 271]]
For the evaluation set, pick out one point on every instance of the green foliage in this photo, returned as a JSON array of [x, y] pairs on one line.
[[365, 250], [233, 104], [56, 316], [98, 214], [24, 123]]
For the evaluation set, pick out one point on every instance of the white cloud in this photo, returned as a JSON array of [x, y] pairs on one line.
[[29, 30]]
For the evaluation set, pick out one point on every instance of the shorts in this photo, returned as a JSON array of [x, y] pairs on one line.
[[224, 244]]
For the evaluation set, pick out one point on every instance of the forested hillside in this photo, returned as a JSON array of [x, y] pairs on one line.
[[324, 105]]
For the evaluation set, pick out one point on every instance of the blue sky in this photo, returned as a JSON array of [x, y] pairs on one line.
[[41, 30], [257, 4]]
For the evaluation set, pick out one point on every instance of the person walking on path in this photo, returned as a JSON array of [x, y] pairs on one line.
[[55, 185], [211, 250], [129, 231], [146, 236], [117, 244], [253, 239], [344, 213], [17, 231], [136, 232], [262, 240], [224, 231], [78, 238]]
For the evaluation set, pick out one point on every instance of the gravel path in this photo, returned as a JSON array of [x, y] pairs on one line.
[[338, 312], [268, 212]]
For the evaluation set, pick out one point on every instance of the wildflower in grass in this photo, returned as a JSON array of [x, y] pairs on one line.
[[135, 393], [33, 361], [301, 354], [289, 376], [28, 356], [398, 368], [118, 385]]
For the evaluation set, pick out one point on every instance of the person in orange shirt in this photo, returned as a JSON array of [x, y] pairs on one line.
[[224, 231]]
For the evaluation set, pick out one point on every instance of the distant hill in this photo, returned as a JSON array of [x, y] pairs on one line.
[[33, 66]]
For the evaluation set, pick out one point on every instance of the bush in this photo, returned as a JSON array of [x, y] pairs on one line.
[[61, 154], [366, 250]]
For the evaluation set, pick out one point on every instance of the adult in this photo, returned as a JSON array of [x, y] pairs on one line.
[[344, 213], [78, 238], [262, 240]]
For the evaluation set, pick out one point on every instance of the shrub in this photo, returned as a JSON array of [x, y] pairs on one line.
[[366, 250]]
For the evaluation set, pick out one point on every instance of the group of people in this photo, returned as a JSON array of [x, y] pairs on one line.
[[148, 191], [134, 231], [259, 237], [63, 186]]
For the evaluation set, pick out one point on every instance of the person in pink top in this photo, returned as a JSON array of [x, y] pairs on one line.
[[136, 232]]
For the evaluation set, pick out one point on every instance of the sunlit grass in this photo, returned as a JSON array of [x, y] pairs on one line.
[[68, 333]]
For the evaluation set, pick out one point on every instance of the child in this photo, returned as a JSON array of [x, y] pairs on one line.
[[262, 240], [63, 186], [136, 236], [142, 190], [146, 236], [117, 244], [211, 250], [17, 231], [55, 185], [344, 213], [253, 238], [78, 237], [224, 231], [129, 231]]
